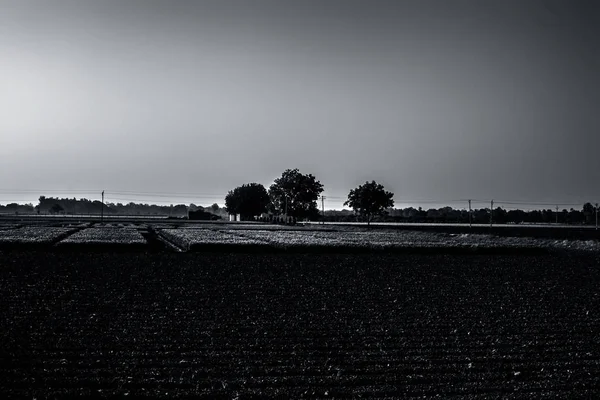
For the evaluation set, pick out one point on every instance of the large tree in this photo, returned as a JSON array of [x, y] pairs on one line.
[[296, 194], [248, 200], [370, 200]]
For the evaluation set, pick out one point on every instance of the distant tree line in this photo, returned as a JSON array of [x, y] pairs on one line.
[[586, 216], [14, 208], [55, 205], [293, 197]]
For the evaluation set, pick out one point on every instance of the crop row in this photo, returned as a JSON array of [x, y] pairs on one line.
[[251, 237], [190, 239], [120, 225], [354, 239], [68, 236], [407, 239], [33, 235], [195, 239], [105, 236]]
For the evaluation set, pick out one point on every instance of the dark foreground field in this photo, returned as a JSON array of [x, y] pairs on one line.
[[290, 326]]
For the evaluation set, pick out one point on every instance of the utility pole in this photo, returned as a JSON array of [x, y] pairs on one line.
[[596, 216], [102, 208], [491, 213], [556, 215], [470, 216], [286, 209], [323, 208]]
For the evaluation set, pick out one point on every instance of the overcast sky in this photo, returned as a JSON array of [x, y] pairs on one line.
[[437, 100]]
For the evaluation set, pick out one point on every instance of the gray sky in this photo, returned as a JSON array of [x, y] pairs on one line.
[[437, 100]]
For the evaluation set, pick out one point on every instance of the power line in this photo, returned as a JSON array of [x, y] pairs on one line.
[[147, 196], [15, 200], [135, 197], [403, 201], [26, 191], [214, 195], [538, 204], [132, 193], [170, 196], [162, 194], [110, 198]]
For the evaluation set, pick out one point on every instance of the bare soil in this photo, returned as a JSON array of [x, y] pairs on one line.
[[173, 325]]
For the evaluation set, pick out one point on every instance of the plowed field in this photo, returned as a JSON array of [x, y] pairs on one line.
[[299, 325]]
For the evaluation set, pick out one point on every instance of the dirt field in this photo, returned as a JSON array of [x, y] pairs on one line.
[[291, 325]]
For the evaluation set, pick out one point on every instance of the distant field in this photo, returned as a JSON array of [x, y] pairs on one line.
[[174, 236], [96, 218]]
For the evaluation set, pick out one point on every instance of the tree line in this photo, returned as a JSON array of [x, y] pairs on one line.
[[74, 206], [293, 197], [572, 216]]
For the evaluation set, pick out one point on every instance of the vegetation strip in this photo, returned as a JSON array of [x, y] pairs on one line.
[[104, 238], [271, 238], [34, 237]]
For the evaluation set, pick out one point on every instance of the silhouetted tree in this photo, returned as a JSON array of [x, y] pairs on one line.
[[248, 200], [299, 191], [370, 200]]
